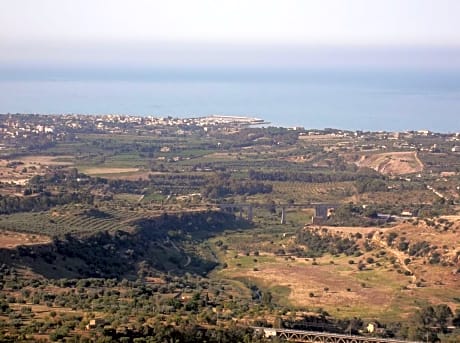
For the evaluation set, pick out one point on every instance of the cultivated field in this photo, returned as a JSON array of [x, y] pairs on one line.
[[98, 171], [70, 219], [319, 192]]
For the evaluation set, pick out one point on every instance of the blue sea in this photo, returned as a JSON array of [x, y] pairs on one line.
[[366, 99]]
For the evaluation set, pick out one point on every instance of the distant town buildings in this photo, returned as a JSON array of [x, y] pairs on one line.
[[54, 128]]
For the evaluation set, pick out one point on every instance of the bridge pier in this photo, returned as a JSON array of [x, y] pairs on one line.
[[321, 210], [250, 214], [283, 215]]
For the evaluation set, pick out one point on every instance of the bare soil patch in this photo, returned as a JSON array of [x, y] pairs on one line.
[[392, 163], [10, 240], [353, 229]]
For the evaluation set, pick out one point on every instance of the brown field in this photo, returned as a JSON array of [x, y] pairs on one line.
[[300, 159], [324, 137], [10, 240], [338, 287], [46, 160], [392, 163], [108, 170], [354, 229]]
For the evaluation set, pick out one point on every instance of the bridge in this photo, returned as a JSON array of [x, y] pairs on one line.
[[320, 337], [321, 209]]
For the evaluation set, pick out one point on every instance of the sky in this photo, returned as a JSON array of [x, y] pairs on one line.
[[296, 33]]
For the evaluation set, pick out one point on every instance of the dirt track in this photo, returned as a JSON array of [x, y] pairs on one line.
[[399, 255]]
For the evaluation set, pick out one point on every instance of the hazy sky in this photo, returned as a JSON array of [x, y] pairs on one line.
[[233, 32]]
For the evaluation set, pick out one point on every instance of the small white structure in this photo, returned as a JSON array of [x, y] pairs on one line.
[[268, 332]]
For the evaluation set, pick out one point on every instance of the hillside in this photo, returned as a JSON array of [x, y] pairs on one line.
[[162, 244], [372, 272], [392, 163]]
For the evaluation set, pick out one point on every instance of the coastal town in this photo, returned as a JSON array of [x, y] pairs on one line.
[[56, 127]]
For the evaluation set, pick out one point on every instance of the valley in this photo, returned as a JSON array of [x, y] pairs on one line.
[[120, 228]]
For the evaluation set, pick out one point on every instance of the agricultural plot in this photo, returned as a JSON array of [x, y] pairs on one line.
[[47, 160], [314, 192], [24, 167], [396, 198], [69, 219]]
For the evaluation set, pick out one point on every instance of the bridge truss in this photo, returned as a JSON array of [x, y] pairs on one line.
[[321, 337]]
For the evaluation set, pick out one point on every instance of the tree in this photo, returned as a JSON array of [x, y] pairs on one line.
[[443, 315], [267, 298], [427, 318]]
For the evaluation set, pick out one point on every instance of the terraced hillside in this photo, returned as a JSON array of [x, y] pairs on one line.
[[161, 243]]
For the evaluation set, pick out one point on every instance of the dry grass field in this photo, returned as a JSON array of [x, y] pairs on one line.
[[108, 170], [385, 289], [47, 160]]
